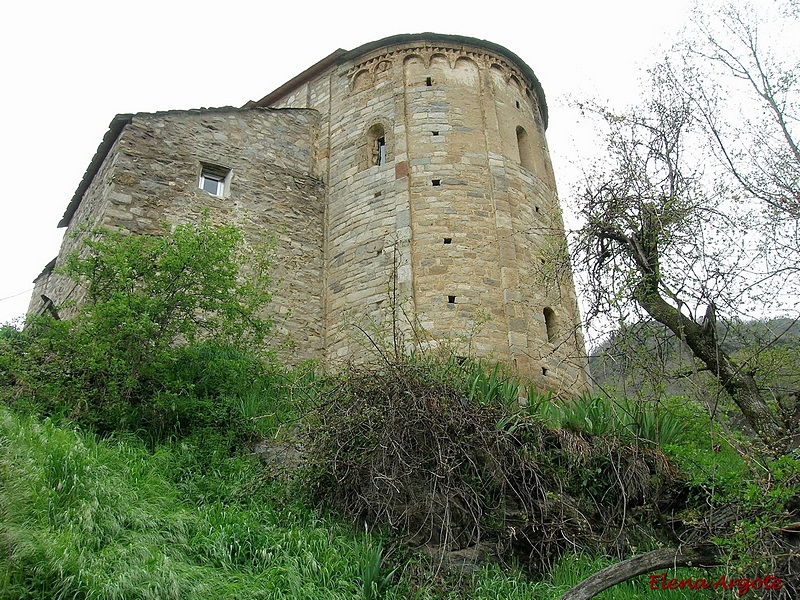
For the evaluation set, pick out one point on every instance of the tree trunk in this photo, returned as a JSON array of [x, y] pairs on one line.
[[703, 343], [664, 558]]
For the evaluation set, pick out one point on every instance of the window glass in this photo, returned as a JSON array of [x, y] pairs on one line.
[[212, 184], [212, 180]]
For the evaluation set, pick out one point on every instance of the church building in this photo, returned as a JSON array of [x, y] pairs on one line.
[[409, 188]]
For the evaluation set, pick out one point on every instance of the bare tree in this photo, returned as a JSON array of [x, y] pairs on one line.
[[692, 220], [759, 145]]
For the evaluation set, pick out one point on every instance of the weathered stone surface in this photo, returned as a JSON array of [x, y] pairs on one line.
[[153, 170], [361, 245]]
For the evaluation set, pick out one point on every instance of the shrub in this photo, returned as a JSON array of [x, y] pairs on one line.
[[408, 446], [123, 361]]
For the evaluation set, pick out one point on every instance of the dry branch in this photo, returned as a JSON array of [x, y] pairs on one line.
[[663, 558]]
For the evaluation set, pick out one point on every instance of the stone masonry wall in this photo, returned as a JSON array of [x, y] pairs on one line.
[[367, 284], [62, 291], [456, 233], [151, 176], [451, 240]]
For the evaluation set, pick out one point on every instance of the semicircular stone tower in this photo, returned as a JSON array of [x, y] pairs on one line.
[[442, 220]]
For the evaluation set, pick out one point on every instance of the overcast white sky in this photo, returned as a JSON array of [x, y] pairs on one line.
[[69, 67]]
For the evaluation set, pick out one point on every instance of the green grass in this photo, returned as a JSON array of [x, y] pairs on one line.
[[668, 422], [495, 583], [83, 518], [177, 509], [86, 518]]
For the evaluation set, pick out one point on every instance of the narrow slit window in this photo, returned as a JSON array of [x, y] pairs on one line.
[[544, 371], [428, 81], [451, 299], [524, 147], [448, 240], [436, 182], [381, 150], [517, 102], [550, 323], [377, 150]]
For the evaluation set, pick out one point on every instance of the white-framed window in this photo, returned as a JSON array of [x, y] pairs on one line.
[[214, 179]]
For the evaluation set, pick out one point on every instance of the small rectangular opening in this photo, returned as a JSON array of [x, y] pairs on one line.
[[448, 240], [434, 133], [451, 299], [428, 81], [381, 142], [214, 179], [544, 371], [537, 208], [436, 182], [517, 103], [378, 194]]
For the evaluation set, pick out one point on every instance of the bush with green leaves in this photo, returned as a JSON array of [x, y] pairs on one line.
[[149, 300]]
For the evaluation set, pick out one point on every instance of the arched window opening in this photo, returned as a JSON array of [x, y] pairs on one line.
[[550, 323], [381, 143], [376, 144], [524, 147]]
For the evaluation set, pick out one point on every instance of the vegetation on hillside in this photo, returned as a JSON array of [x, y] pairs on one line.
[[150, 447], [647, 359], [147, 450], [691, 218]]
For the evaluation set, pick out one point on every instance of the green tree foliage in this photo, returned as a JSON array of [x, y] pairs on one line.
[[149, 291], [147, 298]]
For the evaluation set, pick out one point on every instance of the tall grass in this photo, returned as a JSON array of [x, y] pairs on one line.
[[187, 514], [657, 423], [82, 518]]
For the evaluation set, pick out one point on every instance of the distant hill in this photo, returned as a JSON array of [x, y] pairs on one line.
[[648, 358]]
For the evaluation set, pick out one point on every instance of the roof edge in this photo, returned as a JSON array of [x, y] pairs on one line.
[[298, 80], [47, 270], [340, 56], [116, 126]]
